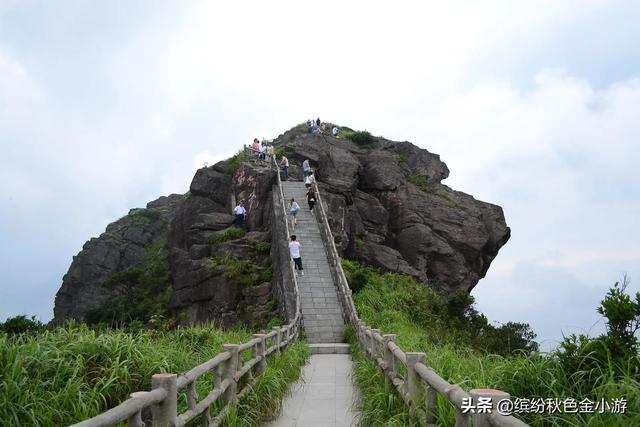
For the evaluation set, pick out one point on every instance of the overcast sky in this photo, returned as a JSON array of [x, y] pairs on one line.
[[107, 105]]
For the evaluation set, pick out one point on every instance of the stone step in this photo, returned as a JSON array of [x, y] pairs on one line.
[[329, 348]]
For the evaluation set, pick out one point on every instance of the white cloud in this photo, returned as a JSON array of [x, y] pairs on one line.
[[95, 120], [561, 160]]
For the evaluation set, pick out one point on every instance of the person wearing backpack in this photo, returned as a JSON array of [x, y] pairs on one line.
[[294, 207]]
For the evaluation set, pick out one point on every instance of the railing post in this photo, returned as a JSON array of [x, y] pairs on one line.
[[389, 360], [165, 413], [414, 386], [485, 401], [230, 369], [278, 337], [374, 343], [136, 419], [259, 349]]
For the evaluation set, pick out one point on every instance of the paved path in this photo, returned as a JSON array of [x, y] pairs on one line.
[[323, 398], [321, 310]]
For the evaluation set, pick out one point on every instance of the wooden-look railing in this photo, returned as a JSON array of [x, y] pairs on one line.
[[415, 382], [231, 378]]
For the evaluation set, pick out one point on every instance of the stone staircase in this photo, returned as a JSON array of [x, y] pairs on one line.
[[321, 311]]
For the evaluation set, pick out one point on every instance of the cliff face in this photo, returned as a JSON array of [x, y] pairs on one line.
[[124, 244], [387, 207]]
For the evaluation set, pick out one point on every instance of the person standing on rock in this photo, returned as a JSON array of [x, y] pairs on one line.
[[294, 250], [306, 168], [294, 207], [285, 167], [311, 199], [240, 213]]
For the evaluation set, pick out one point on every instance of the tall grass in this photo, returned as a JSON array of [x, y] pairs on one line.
[[72, 373], [395, 305]]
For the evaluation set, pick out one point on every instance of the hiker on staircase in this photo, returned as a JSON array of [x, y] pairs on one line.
[[285, 167], [294, 250], [293, 209], [311, 199], [310, 180]]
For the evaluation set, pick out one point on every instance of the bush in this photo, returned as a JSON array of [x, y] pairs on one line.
[[361, 138], [234, 162], [21, 325], [144, 216], [231, 233]]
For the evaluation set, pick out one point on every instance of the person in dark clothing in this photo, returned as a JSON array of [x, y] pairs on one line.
[[318, 122], [311, 199]]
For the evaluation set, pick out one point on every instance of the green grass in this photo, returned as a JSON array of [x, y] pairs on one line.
[[236, 161], [421, 182], [244, 272], [361, 138], [71, 373], [265, 401], [396, 304], [144, 216], [231, 233]]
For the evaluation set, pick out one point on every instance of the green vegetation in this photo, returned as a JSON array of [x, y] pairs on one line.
[[421, 182], [465, 349], [231, 233], [265, 401], [235, 161], [144, 216], [244, 272], [21, 324], [361, 138], [143, 291], [73, 372]]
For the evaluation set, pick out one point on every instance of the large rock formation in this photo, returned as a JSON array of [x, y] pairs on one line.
[[123, 244], [387, 208]]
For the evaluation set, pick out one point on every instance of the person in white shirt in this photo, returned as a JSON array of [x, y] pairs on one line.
[[306, 168], [334, 131], [240, 213], [294, 207], [285, 167], [294, 250], [309, 180]]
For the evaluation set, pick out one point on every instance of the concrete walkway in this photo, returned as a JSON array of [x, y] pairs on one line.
[[323, 398]]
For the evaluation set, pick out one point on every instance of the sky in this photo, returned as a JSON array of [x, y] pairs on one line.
[[535, 107]]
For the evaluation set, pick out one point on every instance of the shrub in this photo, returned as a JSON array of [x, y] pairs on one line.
[[234, 162], [231, 233], [144, 216], [361, 138], [21, 324]]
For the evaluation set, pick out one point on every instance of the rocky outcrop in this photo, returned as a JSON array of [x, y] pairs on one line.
[[387, 208], [123, 244], [204, 288]]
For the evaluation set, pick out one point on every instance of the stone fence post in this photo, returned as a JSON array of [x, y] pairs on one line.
[[485, 400], [414, 385], [165, 412], [229, 372]]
